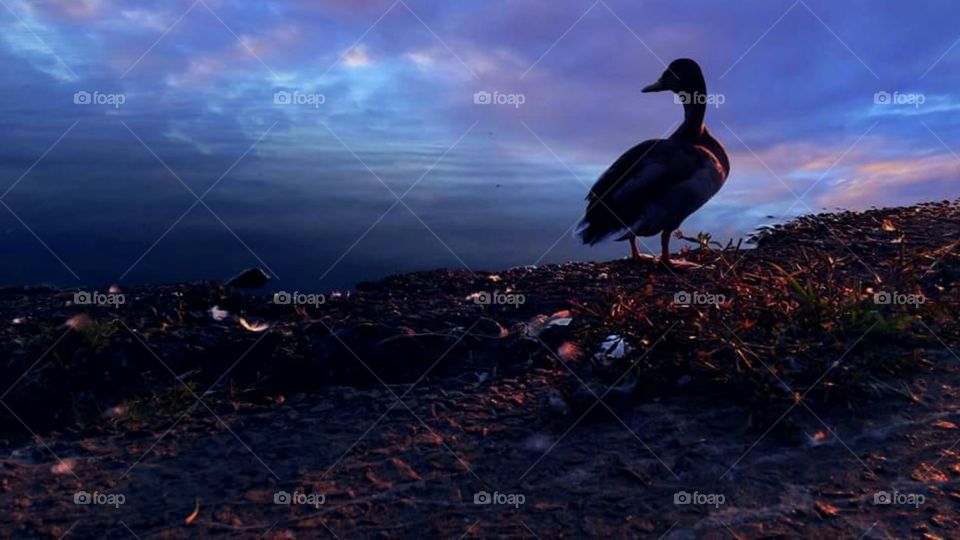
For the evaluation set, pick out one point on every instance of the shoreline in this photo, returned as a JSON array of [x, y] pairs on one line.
[[518, 302], [687, 243]]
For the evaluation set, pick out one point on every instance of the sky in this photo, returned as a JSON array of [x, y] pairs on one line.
[[339, 140]]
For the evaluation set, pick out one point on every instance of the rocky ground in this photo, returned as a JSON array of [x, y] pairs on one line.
[[806, 387]]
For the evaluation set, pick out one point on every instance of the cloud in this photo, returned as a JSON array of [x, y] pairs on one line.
[[357, 57], [145, 18], [914, 104], [423, 59], [75, 9], [28, 38], [895, 182]]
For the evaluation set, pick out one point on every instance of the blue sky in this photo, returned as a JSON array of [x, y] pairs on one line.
[[198, 80]]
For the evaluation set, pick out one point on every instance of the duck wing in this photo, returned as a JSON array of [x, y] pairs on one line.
[[640, 176]]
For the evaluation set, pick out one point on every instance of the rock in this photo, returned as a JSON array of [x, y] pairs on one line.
[[555, 404], [251, 278], [489, 328]]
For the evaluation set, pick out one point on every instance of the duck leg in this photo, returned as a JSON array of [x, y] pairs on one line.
[[665, 249], [634, 252], [679, 264]]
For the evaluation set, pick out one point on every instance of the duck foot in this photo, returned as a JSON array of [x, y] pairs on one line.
[[643, 258], [678, 264]]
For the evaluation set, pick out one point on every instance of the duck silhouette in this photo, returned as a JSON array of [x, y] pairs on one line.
[[657, 184]]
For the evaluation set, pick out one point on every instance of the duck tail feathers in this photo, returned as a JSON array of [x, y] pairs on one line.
[[591, 233], [599, 223]]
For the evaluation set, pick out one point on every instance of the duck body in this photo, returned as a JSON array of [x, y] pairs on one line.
[[653, 187]]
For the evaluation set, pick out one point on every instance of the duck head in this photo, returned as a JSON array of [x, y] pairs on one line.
[[683, 75], [685, 79]]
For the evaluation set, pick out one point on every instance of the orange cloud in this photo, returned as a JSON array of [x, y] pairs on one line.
[[895, 182], [357, 57], [75, 9]]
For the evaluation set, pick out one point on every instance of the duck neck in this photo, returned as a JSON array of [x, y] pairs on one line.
[[694, 111]]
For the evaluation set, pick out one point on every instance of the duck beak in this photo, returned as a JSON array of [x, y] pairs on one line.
[[655, 87]]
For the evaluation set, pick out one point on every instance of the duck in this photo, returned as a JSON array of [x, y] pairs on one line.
[[653, 187]]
